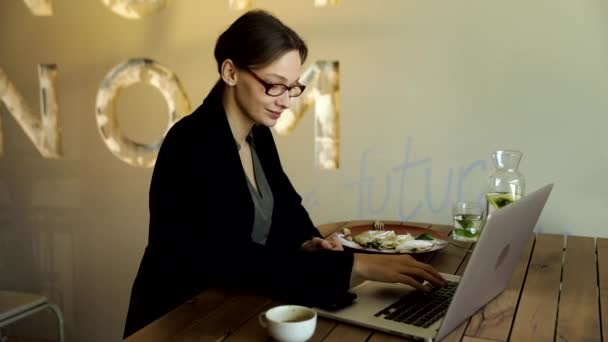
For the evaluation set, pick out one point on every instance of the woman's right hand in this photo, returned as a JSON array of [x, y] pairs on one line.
[[396, 269]]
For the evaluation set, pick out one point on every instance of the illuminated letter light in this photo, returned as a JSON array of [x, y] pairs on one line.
[[322, 81], [40, 7], [239, 4], [246, 4], [324, 3], [124, 75], [43, 130], [135, 9]]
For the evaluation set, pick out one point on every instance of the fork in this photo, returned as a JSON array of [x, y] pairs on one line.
[[378, 225]]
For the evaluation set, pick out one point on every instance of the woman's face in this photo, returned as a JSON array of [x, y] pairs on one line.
[[250, 91]]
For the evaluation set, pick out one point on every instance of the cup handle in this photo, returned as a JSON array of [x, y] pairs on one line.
[[263, 320]]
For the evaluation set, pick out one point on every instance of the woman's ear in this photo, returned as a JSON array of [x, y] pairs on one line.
[[228, 72]]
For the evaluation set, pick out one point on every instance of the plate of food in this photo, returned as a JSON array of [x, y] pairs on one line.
[[393, 239]]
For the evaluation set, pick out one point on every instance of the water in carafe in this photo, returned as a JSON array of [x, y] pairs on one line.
[[506, 183]]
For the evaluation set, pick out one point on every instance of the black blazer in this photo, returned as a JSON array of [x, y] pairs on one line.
[[201, 217]]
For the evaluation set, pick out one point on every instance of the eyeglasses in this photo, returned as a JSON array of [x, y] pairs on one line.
[[277, 89]]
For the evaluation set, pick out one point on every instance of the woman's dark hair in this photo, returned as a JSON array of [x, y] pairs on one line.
[[255, 39]]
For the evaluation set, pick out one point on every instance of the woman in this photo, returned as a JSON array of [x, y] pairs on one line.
[[223, 212]]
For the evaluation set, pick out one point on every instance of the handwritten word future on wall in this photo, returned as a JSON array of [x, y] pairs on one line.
[[43, 130], [396, 180], [389, 193]]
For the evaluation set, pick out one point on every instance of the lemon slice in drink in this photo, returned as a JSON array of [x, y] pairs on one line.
[[500, 200]]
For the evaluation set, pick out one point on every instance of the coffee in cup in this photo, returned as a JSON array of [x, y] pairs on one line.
[[289, 323]]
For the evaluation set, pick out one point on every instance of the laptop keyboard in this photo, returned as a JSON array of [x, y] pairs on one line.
[[419, 308]]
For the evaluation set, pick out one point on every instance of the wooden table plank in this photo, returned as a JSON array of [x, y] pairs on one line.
[[476, 339], [251, 331], [578, 311], [537, 311], [382, 337], [324, 327], [449, 259], [494, 321], [223, 320], [180, 318], [602, 266], [346, 332]]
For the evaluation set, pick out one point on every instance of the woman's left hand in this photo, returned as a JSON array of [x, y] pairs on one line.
[[317, 244]]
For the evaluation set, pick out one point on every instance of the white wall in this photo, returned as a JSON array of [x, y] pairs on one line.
[[446, 82]]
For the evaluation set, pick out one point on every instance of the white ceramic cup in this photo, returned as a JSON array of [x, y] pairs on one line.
[[289, 323]]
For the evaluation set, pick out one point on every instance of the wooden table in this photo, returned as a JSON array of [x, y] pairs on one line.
[[559, 292]]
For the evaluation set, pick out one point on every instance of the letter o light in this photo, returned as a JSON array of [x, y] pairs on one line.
[[126, 74]]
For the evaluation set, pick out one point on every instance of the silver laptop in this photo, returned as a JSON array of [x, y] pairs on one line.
[[392, 307]]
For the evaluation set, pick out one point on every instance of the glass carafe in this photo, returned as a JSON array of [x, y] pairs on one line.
[[506, 183]]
